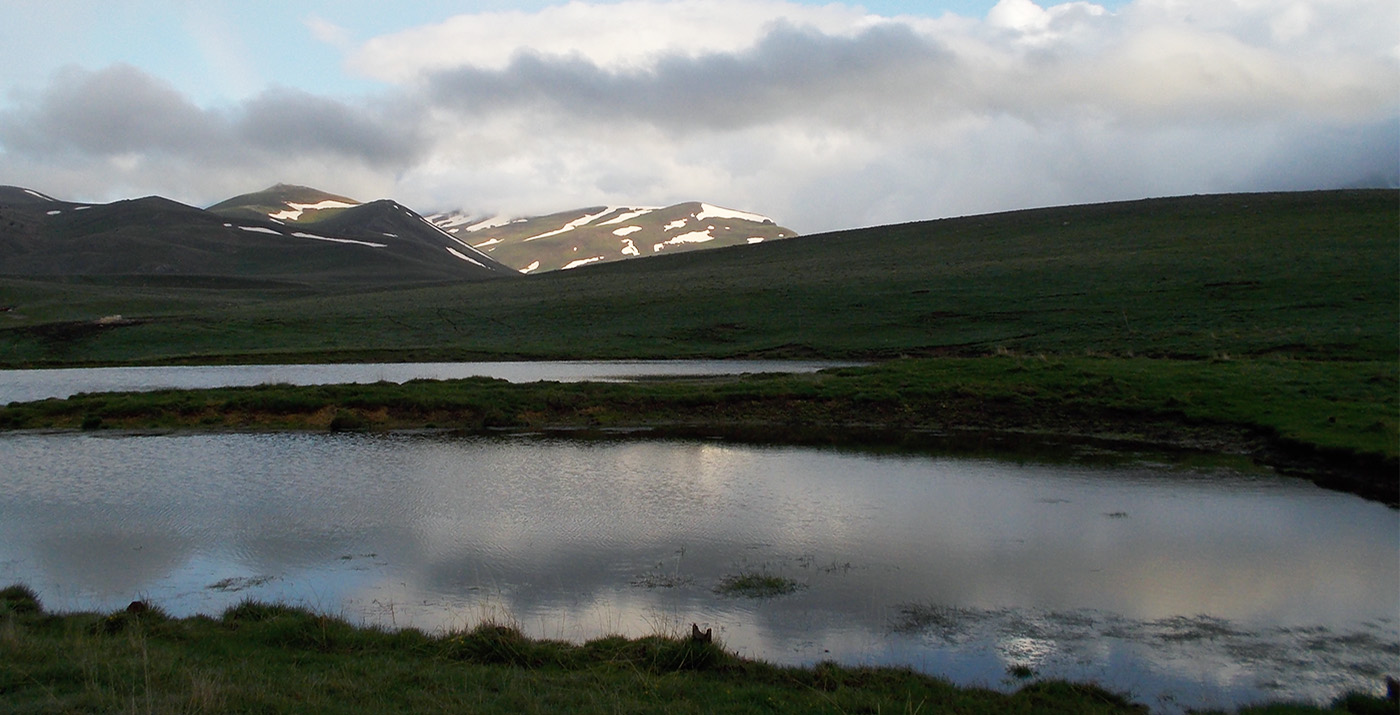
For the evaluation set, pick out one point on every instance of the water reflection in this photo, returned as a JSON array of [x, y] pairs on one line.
[[1208, 586]]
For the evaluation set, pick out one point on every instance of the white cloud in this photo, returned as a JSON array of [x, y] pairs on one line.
[[624, 35], [324, 30]]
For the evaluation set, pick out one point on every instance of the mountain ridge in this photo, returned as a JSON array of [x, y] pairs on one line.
[[40, 234], [599, 234], [559, 240], [153, 235]]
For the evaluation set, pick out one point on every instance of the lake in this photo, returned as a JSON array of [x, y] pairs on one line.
[[1185, 586], [29, 385]]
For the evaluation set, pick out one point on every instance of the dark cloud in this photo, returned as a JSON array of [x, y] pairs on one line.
[[293, 122], [121, 110], [790, 71], [117, 110], [1365, 156]]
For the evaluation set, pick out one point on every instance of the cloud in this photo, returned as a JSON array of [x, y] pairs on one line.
[[114, 111], [292, 122], [120, 127], [823, 117], [1025, 61], [615, 35], [328, 32], [790, 73]]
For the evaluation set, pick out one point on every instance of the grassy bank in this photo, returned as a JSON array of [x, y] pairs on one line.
[[269, 658], [1333, 421]]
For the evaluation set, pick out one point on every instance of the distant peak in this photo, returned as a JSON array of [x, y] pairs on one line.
[[19, 194]]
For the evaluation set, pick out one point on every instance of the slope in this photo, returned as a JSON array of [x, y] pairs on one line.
[[157, 237], [284, 202], [1309, 275], [601, 234]]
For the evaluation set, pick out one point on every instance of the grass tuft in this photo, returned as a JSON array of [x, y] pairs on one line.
[[753, 584], [20, 600]]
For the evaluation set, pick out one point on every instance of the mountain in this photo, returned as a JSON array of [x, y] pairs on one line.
[[284, 202], [349, 243], [382, 223], [570, 239], [305, 235], [17, 196]]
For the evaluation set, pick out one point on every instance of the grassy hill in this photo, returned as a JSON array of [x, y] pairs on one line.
[[1309, 275]]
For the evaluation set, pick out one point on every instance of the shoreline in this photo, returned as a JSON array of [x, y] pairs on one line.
[[880, 406], [277, 657]]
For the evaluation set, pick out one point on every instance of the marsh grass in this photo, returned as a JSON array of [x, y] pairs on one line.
[[1338, 422], [267, 657], [259, 657], [757, 584]]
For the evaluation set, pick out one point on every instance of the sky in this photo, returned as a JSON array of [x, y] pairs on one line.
[[822, 115]]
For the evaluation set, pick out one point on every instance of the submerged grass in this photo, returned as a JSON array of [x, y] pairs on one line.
[[271, 658], [755, 584], [259, 657]]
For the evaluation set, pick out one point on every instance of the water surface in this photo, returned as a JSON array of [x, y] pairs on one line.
[[1196, 587], [28, 385]]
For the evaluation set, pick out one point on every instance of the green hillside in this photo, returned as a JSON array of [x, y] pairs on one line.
[[1309, 275]]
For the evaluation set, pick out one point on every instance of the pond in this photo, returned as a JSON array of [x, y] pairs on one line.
[[28, 385], [1185, 586]]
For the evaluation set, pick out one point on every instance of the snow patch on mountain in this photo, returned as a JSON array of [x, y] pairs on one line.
[[581, 262], [260, 229], [493, 222], [581, 221], [463, 256], [629, 215], [470, 248], [295, 210], [692, 237], [38, 195], [626, 230], [709, 211], [340, 240]]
